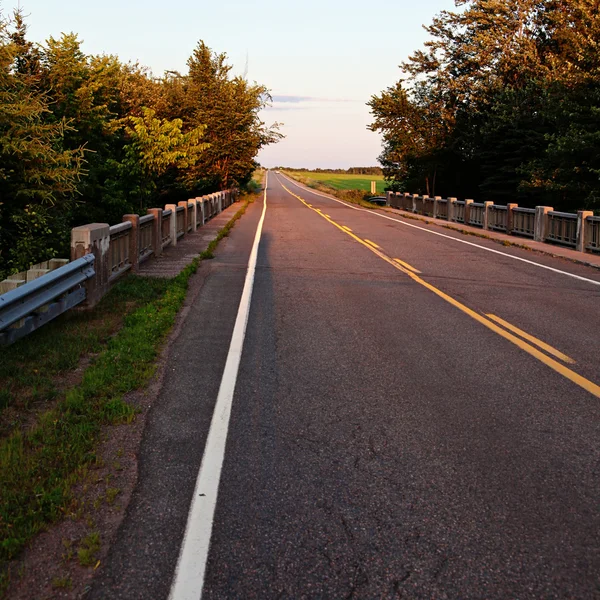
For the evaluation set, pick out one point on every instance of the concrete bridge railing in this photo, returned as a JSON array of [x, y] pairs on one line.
[[101, 254], [580, 231]]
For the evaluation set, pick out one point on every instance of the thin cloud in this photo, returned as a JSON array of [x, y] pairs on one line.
[[300, 99]]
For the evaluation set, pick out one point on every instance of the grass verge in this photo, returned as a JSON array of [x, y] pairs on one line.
[[40, 464]]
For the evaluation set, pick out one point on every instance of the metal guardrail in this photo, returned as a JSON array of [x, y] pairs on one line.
[[34, 304], [593, 234], [523, 221], [562, 228]]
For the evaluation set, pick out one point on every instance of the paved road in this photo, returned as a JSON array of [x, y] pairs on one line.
[[387, 438]]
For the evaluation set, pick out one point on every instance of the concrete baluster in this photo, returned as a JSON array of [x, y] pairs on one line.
[[486, 214], [582, 215], [541, 222], [156, 230], [451, 211], [134, 241], [510, 217], [173, 224], [93, 239], [468, 211]]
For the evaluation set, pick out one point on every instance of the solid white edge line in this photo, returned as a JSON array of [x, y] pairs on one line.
[[371, 212], [188, 579]]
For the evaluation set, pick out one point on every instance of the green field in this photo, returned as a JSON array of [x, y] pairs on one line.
[[340, 181]]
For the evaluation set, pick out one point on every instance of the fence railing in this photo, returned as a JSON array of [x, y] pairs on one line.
[[580, 231], [523, 222], [592, 235], [562, 228], [32, 305], [119, 259], [146, 239], [476, 213], [101, 254], [498, 218]]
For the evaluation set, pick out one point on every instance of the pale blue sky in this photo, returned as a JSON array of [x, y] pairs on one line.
[[327, 56]]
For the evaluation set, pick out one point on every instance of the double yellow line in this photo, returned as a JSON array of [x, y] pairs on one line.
[[490, 321]]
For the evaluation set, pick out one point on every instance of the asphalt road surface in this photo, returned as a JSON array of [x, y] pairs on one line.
[[414, 417]]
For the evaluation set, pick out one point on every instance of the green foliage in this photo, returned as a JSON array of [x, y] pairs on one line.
[[501, 104], [87, 138]]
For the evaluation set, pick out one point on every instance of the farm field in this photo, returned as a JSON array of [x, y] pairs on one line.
[[342, 181]]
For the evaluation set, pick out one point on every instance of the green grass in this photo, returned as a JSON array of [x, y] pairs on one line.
[[341, 181], [39, 464]]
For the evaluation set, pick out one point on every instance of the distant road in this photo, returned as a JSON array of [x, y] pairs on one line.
[[413, 417]]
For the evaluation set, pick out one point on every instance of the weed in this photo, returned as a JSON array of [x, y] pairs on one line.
[[111, 494], [90, 545], [65, 582]]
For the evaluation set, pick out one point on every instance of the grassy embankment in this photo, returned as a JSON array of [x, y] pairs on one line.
[[352, 188], [62, 384]]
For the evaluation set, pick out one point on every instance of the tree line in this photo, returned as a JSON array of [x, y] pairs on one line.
[[89, 138], [502, 104]]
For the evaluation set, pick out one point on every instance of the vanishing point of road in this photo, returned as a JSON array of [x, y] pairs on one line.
[[386, 409]]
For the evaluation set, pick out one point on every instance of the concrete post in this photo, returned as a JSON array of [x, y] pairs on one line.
[[134, 241], [184, 204], [468, 211], [414, 203], [388, 198], [582, 215], [423, 204], [541, 223], [451, 202], [486, 214], [436, 207], [510, 218], [220, 201], [156, 230], [203, 209], [93, 239], [173, 224], [193, 213]]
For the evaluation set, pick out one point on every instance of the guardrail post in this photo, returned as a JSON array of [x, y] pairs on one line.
[[582, 215], [93, 239], [451, 202], [467, 218], [486, 214], [173, 223], [134, 241], [541, 223], [184, 204], [156, 231], [510, 219]]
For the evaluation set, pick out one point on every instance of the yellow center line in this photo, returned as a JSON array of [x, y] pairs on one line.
[[530, 338], [346, 228], [372, 244], [409, 267], [582, 382]]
